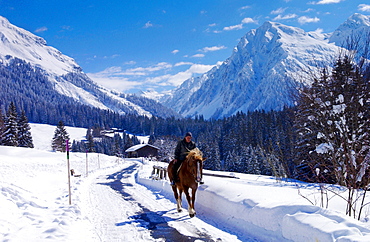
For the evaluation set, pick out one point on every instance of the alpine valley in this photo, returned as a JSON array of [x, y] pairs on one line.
[[263, 72]]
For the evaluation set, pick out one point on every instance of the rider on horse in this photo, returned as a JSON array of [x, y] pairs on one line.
[[183, 148]]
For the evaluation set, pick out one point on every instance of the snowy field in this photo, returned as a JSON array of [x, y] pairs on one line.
[[118, 201]]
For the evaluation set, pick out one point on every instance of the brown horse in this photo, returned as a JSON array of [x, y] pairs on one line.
[[190, 173]]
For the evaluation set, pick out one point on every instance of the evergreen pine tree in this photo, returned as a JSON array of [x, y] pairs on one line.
[[60, 136], [90, 141], [333, 116], [117, 145], [24, 134], [151, 139], [2, 127], [10, 137]]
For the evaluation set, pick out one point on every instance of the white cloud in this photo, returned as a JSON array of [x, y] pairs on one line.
[[198, 55], [119, 84], [175, 51], [308, 10], [248, 21], [200, 68], [233, 27], [111, 57], [245, 7], [156, 67], [41, 29], [327, 1], [364, 7], [180, 77], [183, 63], [129, 63], [66, 27], [116, 71], [240, 26], [319, 31], [156, 76], [123, 80], [160, 80], [305, 19], [278, 11], [288, 16], [213, 48], [148, 25]]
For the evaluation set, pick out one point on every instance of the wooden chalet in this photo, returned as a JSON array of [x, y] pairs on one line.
[[142, 150]]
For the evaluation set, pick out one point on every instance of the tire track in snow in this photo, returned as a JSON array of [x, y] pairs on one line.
[[105, 208]]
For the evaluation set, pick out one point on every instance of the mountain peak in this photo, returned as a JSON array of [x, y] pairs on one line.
[[19, 43], [261, 73], [359, 19], [355, 24], [280, 28]]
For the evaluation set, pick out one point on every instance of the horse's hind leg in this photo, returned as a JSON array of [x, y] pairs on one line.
[[178, 200]]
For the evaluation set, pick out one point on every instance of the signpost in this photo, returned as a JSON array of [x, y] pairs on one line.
[[87, 170], [69, 174]]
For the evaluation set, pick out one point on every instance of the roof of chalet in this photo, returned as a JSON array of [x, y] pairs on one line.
[[138, 147]]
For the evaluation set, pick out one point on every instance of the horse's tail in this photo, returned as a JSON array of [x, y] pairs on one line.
[[169, 170]]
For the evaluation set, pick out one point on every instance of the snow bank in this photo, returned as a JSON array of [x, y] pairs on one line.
[[262, 207], [34, 202]]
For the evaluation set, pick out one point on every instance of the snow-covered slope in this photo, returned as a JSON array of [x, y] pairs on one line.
[[67, 77], [17, 42], [262, 72]]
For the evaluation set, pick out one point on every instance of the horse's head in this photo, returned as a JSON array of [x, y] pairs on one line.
[[195, 163], [195, 156]]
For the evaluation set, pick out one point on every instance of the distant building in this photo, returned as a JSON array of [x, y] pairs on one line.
[[142, 150]]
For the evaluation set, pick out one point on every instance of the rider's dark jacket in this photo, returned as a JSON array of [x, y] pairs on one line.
[[182, 149]]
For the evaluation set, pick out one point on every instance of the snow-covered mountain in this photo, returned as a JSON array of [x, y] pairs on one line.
[[263, 70], [65, 74], [357, 24]]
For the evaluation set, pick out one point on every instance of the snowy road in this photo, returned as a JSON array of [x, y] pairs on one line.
[[122, 210]]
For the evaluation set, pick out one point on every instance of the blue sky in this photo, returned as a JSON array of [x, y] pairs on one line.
[[157, 44]]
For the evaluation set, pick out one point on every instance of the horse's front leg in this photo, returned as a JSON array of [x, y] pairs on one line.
[[193, 192], [191, 201]]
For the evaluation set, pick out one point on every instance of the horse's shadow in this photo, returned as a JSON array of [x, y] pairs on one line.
[[152, 220], [158, 225]]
